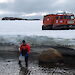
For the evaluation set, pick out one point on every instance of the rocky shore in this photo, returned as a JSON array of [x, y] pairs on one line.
[[9, 61]]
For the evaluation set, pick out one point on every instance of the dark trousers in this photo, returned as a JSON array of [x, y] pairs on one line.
[[26, 60]]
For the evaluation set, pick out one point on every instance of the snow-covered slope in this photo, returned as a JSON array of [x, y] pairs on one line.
[[32, 28], [31, 31]]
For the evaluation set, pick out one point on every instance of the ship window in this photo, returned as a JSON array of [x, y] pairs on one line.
[[61, 17], [65, 17], [68, 17], [56, 17], [72, 17]]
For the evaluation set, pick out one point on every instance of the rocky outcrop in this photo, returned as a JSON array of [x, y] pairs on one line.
[[50, 55], [15, 18], [12, 18]]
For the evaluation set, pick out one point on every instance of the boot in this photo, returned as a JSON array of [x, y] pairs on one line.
[[26, 65], [19, 62]]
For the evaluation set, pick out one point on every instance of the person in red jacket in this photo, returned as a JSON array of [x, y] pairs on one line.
[[24, 51]]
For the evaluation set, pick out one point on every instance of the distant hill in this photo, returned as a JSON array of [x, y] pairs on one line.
[[13, 18], [32, 19]]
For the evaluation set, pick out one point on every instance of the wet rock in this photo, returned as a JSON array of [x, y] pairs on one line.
[[50, 55], [8, 61]]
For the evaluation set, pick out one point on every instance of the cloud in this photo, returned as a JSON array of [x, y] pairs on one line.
[[59, 3], [36, 7], [6, 1], [28, 6], [7, 12], [35, 14], [31, 14], [3, 12], [32, 6]]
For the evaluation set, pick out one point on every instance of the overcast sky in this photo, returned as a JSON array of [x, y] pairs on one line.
[[34, 8]]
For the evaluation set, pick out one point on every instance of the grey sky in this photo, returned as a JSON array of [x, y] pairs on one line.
[[28, 7]]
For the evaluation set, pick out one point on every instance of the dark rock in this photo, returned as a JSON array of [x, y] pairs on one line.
[[8, 61]]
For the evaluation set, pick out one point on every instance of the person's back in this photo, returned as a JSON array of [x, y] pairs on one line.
[[24, 51]]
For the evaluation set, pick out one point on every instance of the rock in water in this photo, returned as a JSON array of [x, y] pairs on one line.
[[50, 55]]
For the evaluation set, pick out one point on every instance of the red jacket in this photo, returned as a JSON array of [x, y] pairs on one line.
[[25, 47]]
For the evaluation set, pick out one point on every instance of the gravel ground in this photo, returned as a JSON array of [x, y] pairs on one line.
[[9, 65], [12, 68]]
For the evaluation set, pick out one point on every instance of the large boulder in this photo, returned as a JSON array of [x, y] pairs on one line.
[[50, 55]]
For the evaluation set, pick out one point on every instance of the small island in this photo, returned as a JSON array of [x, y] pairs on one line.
[[15, 18]]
